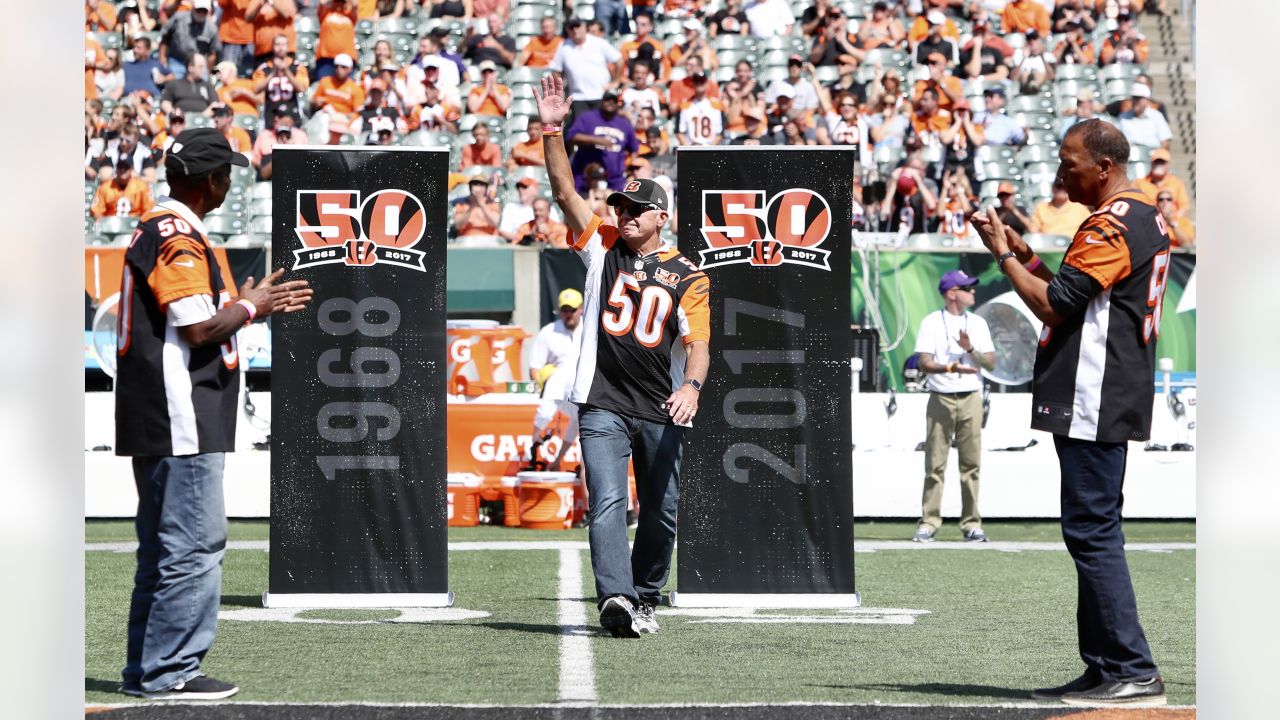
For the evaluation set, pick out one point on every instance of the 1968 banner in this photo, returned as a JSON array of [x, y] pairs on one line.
[[358, 456], [766, 507]]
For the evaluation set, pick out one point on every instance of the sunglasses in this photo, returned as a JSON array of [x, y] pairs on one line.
[[1164, 199], [635, 209], [848, 105]]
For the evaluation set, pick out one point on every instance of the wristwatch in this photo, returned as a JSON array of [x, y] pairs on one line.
[[694, 383], [1005, 256]]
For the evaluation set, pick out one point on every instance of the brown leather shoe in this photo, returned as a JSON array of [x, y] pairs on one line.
[[1146, 693]]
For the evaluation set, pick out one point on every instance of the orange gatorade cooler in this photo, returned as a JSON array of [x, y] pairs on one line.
[[464, 499], [547, 499], [511, 501], [484, 356]]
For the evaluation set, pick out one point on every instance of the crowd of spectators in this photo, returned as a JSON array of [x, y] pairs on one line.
[[951, 104]]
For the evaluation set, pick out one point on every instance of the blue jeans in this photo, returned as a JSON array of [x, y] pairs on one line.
[[1112, 643], [612, 14], [608, 440], [182, 534], [324, 68], [177, 67]]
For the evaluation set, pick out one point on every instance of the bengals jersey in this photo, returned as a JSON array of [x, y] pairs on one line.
[[171, 398], [639, 314], [1094, 373]]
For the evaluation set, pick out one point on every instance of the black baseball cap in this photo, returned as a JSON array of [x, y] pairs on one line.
[[200, 150], [643, 192]]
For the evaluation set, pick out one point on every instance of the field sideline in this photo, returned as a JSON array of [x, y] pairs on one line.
[[949, 625]]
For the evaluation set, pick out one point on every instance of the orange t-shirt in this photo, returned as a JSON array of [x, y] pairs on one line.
[[920, 30], [267, 26], [443, 111], [346, 98], [367, 8], [934, 123], [629, 48], [1088, 56], [1023, 15], [527, 152], [239, 140], [472, 220], [134, 199], [682, 90], [103, 19], [337, 32], [489, 107], [239, 106], [541, 53], [92, 56], [950, 82], [1181, 198], [1110, 46], [555, 236], [472, 155], [235, 29]]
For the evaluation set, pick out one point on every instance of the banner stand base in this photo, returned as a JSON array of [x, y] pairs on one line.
[[766, 600], [357, 600]]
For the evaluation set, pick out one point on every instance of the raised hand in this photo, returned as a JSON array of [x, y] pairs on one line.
[[269, 297], [553, 106]]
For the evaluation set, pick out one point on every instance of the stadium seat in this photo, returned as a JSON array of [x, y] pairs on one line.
[[365, 28], [727, 41], [196, 120], [306, 24], [248, 122], [998, 170], [260, 207], [522, 91], [1075, 72], [241, 175], [1040, 172], [526, 28], [1037, 154], [1040, 136], [407, 25], [96, 240], [730, 57], [1030, 103], [532, 12], [260, 225], [122, 239], [523, 106], [1045, 241], [723, 74], [827, 74], [526, 75], [225, 224], [1034, 120], [991, 153], [886, 57], [242, 240], [261, 190], [1139, 153], [231, 207], [115, 224], [1120, 71]]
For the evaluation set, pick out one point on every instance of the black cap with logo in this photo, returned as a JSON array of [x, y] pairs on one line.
[[644, 192], [199, 150]]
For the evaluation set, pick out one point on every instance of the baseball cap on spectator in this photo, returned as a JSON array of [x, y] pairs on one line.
[[344, 60], [439, 32], [1140, 91], [751, 111], [698, 77], [221, 110], [795, 60], [955, 279], [785, 91], [1085, 95], [994, 90], [526, 182], [570, 298], [574, 22], [935, 17], [610, 95], [1159, 155], [479, 180], [200, 150], [202, 5], [1123, 17], [1032, 34], [880, 5], [224, 65], [488, 66], [281, 109], [643, 192], [691, 24], [1006, 188], [177, 116]]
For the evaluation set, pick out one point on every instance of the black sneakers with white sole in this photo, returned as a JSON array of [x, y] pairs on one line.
[[618, 616], [199, 687]]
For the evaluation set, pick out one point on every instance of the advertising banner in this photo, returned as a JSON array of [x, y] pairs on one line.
[[358, 456], [766, 495]]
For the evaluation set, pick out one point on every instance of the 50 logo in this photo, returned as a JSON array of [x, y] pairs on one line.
[[740, 227], [336, 227]]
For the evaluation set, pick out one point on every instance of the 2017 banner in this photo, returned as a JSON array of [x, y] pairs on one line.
[[358, 457], [766, 506]]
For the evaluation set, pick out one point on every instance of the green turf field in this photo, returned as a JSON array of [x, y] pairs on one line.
[[997, 624]]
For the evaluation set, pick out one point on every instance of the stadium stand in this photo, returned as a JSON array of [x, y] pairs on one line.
[[418, 73]]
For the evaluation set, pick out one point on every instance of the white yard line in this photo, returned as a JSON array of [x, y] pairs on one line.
[[858, 546], [577, 671]]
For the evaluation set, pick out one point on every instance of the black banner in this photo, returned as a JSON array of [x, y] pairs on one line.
[[358, 456], [560, 270], [766, 494]]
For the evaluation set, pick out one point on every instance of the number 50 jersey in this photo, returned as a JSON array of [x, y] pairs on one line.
[[640, 313]]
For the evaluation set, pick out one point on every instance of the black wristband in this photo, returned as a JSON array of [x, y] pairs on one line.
[[1000, 260]]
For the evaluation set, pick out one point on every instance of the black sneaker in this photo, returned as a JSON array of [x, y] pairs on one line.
[[1145, 693], [199, 687], [618, 616], [1087, 681], [646, 618]]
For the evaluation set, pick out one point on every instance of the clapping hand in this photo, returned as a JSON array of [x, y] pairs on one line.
[[268, 297]]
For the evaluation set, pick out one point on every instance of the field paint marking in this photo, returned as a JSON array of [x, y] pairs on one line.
[[862, 546], [853, 616], [577, 671], [407, 615], [620, 706]]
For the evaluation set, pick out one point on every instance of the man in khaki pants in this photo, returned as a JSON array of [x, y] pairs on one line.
[[951, 346]]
